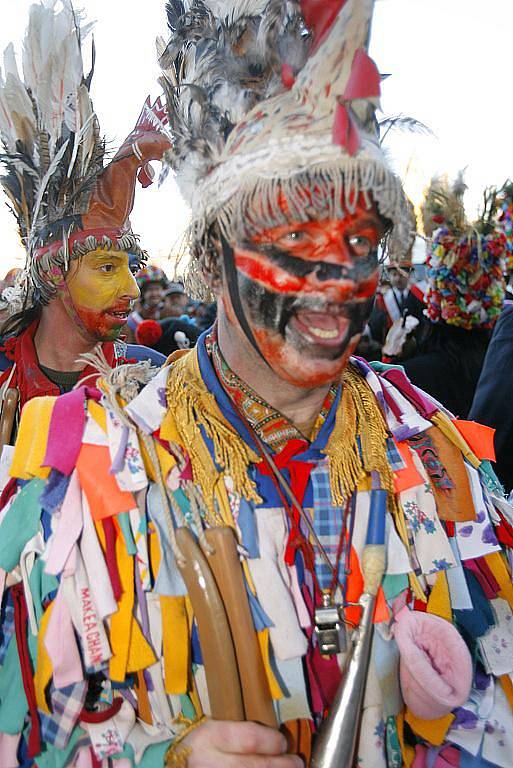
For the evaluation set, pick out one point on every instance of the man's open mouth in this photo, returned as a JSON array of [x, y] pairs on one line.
[[321, 328], [120, 315]]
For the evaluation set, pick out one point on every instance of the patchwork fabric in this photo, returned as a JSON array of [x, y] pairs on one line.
[[67, 704]]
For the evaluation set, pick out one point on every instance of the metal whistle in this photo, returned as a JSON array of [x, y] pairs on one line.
[[330, 629]]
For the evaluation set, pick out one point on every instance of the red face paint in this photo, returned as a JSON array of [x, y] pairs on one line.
[[101, 288], [307, 290]]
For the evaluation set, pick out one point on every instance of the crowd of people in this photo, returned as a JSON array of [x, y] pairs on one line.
[[267, 530]]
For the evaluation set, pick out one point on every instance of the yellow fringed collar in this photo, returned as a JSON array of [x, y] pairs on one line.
[[356, 447]]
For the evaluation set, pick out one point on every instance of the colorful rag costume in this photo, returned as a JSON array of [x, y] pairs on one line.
[[465, 260], [465, 267], [99, 589], [173, 556]]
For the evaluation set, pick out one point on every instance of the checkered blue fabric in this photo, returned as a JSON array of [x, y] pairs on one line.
[[67, 704], [6, 627], [394, 457], [327, 521]]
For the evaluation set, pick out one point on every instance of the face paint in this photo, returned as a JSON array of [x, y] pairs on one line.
[[101, 287], [307, 290]]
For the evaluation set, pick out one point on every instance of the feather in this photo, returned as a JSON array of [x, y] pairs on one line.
[[443, 203], [44, 183], [222, 59], [283, 35], [175, 9], [401, 123]]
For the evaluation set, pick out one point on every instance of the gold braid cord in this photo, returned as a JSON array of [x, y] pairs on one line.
[[357, 445], [177, 755], [193, 406]]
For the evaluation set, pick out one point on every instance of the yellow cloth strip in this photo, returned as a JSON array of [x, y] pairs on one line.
[[439, 602], [193, 689], [175, 643], [400, 525], [32, 439], [408, 752], [507, 687], [44, 670], [140, 653], [433, 731], [155, 553], [274, 686], [169, 430], [98, 414], [166, 461], [443, 422], [121, 621]]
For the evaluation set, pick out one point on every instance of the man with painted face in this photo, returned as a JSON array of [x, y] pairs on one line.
[[296, 554], [77, 288]]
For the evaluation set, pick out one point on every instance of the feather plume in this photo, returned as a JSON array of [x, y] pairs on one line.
[[223, 58], [50, 135], [443, 204], [401, 123]]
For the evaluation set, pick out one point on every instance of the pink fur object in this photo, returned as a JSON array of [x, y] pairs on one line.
[[435, 667]]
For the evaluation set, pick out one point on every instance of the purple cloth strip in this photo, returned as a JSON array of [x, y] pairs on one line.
[[414, 395], [66, 430], [404, 432], [141, 599], [119, 458]]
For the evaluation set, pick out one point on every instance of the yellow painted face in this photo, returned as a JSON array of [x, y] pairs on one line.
[[102, 288]]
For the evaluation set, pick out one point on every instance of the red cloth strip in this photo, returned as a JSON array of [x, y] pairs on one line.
[[110, 556], [27, 675]]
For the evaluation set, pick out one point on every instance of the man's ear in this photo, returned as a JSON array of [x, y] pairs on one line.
[[212, 266]]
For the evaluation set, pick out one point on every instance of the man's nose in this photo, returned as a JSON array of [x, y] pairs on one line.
[[129, 287], [335, 250]]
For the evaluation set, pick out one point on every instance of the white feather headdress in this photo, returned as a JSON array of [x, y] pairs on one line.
[[272, 109], [65, 201]]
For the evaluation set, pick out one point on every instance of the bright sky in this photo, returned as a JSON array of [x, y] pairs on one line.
[[450, 63]]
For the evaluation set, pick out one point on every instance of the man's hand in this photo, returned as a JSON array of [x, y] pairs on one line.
[[218, 744]]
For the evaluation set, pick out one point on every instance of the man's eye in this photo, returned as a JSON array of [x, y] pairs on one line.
[[107, 268], [294, 237], [361, 246]]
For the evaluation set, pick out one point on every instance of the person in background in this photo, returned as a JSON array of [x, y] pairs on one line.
[[208, 316], [76, 289], [152, 282], [397, 320], [493, 401], [464, 299], [175, 301], [168, 335]]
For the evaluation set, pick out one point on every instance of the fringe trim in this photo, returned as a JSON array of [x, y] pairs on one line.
[[357, 445], [37, 283], [193, 408], [324, 190]]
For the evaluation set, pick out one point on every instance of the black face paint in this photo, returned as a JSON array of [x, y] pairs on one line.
[[273, 312], [361, 268], [230, 271]]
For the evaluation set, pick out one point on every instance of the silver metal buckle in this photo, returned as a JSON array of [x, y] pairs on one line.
[[330, 629]]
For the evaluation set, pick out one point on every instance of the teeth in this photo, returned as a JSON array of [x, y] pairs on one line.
[[324, 334]]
